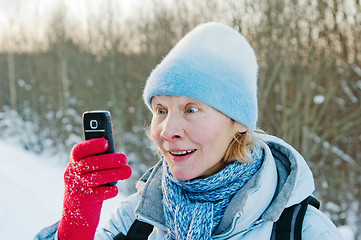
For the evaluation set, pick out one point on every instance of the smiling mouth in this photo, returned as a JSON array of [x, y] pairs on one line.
[[182, 153]]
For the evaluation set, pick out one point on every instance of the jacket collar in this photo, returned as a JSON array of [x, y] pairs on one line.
[[150, 206]]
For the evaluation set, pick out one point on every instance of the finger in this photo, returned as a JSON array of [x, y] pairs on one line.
[[99, 178], [101, 162], [126, 172], [89, 147], [102, 193]]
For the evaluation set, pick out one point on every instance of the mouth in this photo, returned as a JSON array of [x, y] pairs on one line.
[[182, 153]]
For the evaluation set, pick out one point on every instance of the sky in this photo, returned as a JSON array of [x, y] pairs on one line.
[[33, 16], [12, 7], [6, 5], [8, 8]]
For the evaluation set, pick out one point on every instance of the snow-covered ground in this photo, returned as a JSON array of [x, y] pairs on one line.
[[31, 193]]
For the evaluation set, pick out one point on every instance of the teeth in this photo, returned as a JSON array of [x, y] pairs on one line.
[[182, 153]]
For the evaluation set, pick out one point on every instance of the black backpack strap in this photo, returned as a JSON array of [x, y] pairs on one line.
[[138, 231], [289, 225]]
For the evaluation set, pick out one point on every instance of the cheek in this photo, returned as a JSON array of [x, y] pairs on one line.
[[155, 135], [214, 136], [204, 135]]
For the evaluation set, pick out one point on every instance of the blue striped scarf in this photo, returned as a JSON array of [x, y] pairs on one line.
[[194, 208]]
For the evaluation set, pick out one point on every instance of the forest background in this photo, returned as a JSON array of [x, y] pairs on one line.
[[62, 63]]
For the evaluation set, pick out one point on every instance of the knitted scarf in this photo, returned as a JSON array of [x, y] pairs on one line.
[[194, 208]]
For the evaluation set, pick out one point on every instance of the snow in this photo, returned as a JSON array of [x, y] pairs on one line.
[[356, 69], [334, 149], [346, 233], [319, 99], [348, 92], [31, 188]]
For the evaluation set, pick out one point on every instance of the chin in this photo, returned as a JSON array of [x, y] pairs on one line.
[[184, 178], [181, 175]]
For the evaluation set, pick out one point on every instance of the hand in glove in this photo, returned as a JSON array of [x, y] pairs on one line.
[[85, 192]]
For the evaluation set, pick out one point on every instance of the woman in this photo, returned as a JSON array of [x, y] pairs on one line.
[[217, 178]]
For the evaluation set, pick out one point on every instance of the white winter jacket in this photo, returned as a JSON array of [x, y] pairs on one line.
[[250, 214]]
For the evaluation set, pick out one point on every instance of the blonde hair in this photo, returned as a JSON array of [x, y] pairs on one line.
[[241, 147]]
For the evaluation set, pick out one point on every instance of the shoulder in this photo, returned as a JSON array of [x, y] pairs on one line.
[[317, 225], [121, 219], [125, 213]]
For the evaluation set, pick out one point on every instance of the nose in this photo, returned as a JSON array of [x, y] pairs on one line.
[[172, 129]]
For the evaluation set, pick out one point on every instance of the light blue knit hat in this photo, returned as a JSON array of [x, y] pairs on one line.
[[213, 64]]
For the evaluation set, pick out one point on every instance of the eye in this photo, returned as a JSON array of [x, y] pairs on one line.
[[160, 111], [192, 110]]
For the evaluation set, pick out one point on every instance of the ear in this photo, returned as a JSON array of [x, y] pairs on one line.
[[240, 127]]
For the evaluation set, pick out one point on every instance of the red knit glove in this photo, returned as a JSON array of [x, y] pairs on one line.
[[84, 194]]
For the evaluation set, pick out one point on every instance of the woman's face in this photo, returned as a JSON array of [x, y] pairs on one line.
[[192, 136]]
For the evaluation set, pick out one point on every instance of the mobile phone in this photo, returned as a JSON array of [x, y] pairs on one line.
[[98, 124]]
